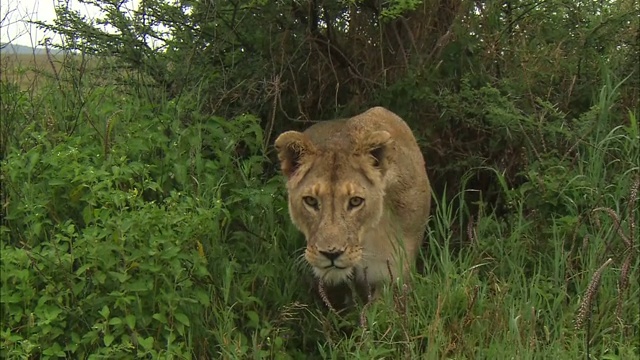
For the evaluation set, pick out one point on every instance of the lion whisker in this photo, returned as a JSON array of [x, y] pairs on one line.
[[300, 262]]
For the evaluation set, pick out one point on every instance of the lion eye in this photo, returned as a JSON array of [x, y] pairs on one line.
[[310, 201], [355, 201]]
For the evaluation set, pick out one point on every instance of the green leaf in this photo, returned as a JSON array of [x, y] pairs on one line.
[[202, 297], [147, 343], [87, 214], [139, 285], [254, 319], [130, 320], [108, 339], [160, 317], [81, 270], [121, 277], [54, 350], [105, 312], [34, 157], [182, 318], [101, 277]]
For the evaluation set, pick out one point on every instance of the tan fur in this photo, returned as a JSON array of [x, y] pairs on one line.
[[372, 156]]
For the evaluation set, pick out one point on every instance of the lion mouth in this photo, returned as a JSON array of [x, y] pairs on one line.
[[333, 266], [332, 274]]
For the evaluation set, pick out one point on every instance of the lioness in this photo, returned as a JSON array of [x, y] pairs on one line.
[[359, 191]]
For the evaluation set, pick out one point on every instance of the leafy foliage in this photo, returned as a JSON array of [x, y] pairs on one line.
[[142, 213]]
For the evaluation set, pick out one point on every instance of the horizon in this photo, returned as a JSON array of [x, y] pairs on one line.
[[9, 49], [17, 17]]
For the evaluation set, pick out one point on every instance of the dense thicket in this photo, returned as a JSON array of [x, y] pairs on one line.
[[142, 214], [476, 80]]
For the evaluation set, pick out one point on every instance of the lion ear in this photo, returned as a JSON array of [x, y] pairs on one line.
[[376, 145], [292, 147]]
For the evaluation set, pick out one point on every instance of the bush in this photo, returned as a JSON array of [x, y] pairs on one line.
[[143, 214], [117, 238]]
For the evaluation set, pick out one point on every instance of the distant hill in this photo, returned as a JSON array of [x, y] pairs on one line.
[[24, 50]]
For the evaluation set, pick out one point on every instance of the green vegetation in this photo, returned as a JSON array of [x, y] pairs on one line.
[[143, 215]]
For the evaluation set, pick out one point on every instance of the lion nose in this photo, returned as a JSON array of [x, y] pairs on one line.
[[332, 255]]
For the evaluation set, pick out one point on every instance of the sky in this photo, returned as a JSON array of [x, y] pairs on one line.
[[15, 15]]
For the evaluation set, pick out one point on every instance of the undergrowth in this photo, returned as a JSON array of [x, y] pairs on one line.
[[147, 229]]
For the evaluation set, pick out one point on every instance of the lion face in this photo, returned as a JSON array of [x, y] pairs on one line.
[[335, 196]]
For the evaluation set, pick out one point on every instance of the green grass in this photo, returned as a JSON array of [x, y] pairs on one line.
[[128, 233]]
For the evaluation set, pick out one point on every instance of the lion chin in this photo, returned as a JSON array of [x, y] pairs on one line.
[[333, 275]]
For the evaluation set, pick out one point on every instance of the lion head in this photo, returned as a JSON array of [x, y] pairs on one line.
[[336, 194]]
